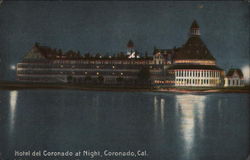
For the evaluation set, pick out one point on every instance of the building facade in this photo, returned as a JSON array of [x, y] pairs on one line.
[[192, 64], [189, 65], [43, 64], [234, 78]]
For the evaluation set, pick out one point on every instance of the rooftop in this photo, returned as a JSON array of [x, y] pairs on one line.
[[201, 67], [194, 25], [194, 48], [233, 71]]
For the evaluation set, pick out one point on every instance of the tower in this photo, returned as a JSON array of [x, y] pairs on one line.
[[131, 50], [130, 47], [194, 29]]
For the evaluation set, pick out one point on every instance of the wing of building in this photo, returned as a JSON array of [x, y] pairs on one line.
[[190, 65], [234, 78]]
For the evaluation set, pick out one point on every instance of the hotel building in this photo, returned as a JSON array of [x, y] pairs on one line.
[[189, 65]]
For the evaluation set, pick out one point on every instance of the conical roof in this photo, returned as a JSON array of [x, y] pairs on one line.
[[194, 48], [194, 25]]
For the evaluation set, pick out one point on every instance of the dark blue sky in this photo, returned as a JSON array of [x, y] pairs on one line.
[[106, 26]]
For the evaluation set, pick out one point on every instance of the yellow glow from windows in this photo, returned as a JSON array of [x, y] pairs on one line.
[[163, 82], [202, 62]]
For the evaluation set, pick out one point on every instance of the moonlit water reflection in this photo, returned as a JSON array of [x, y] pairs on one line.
[[13, 102], [155, 109], [169, 126], [191, 115], [159, 110]]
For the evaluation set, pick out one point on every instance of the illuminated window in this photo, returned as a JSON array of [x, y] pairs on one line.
[[97, 73]]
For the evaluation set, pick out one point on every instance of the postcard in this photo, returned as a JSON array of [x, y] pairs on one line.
[[124, 80]]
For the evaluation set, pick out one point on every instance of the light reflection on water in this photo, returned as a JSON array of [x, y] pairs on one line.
[[191, 111], [168, 126], [159, 110], [13, 102]]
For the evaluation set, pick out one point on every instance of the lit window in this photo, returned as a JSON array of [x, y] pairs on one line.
[[97, 73]]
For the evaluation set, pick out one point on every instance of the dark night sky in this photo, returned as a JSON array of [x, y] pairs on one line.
[[106, 26]]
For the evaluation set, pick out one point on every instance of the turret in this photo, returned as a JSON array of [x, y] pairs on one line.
[[194, 29], [130, 47]]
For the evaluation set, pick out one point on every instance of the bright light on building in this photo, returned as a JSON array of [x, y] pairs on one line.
[[246, 72], [12, 67]]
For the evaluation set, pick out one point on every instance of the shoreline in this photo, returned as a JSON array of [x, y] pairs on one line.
[[114, 88]]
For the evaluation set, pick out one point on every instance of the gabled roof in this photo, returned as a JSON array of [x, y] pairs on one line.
[[163, 51], [194, 48], [34, 53], [233, 71], [38, 52]]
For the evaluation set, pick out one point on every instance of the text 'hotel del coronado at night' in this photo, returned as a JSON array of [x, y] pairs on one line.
[[190, 65]]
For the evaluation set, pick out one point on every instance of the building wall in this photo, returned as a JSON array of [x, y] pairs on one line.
[[79, 70], [158, 59], [233, 82], [203, 78]]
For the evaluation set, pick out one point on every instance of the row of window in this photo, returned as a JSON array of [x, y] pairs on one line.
[[197, 73], [87, 66], [130, 61], [235, 82], [29, 72], [197, 81]]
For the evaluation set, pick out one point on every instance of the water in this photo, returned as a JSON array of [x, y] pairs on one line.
[[168, 126]]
